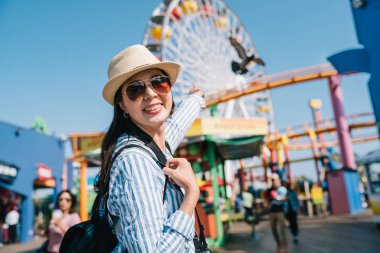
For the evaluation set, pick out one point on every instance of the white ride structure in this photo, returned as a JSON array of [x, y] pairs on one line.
[[198, 34]]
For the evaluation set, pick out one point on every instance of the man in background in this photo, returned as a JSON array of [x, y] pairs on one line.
[[276, 200], [12, 219]]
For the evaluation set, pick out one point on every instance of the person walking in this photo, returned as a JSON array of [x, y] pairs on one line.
[[62, 219], [292, 211], [276, 200], [12, 219], [152, 219], [251, 213]]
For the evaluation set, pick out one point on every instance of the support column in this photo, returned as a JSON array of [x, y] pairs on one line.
[[342, 183], [342, 129], [215, 189], [83, 191], [64, 175], [285, 144], [318, 126], [242, 176], [26, 234], [273, 155], [265, 165], [219, 242], [314, 149], [222, 174]]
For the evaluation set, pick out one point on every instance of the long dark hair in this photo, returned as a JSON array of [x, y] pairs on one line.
[[73, 200], [119, 125]]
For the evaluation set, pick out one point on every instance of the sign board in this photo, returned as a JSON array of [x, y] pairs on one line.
[[238, 126], [44, 172], [87, 144], [84, 143], [8, 172], [45, 183]]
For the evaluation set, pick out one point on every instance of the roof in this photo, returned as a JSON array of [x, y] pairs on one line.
[[371, 157], [233, 148]]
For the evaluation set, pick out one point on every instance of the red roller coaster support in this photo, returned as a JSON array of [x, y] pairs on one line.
[[265, 166], [341, 124], [341, 180]]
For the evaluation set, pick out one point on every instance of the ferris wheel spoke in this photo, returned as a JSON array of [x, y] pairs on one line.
[[180, 51], [181, 40], [182, 61], [205, 27], [182, 55], [178, 28], [200, 74], [204, 21], [194, 70]]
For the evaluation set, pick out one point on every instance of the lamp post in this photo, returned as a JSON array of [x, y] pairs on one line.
[[315, 106]]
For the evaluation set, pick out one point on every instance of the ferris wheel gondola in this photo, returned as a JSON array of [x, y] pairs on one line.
[[216, 52]]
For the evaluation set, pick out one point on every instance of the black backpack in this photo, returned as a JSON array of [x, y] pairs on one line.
[[94, 235]]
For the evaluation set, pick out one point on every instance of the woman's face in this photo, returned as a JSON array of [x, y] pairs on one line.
[[64, 202], [151, 109]]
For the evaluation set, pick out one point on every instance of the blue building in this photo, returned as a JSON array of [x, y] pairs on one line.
[[28, 160], [366, 59]]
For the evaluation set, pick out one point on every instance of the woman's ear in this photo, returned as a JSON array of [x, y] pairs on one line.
[[122, 106]]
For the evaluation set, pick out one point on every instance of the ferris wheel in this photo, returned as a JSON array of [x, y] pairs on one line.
[[216, 52]]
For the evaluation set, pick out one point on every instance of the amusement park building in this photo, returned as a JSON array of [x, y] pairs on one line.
[[28, 160], [366, 58]]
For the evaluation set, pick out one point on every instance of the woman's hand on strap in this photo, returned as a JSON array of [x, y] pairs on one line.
[[179, 170]]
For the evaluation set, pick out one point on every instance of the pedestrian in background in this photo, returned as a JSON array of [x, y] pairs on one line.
[[251, 215], [62, 219], [276, 200], [12, 219], [292, 211]]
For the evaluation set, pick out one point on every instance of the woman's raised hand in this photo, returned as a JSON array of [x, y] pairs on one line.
[[197, 91]]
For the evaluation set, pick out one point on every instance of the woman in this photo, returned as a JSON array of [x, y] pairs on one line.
[[139, 89], [62, 219]]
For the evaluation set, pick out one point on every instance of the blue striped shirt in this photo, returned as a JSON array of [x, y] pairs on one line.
[[136, 190]]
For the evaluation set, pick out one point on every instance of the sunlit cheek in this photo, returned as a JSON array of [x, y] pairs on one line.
[[169, 102]]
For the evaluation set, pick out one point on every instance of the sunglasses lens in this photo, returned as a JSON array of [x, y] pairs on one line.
[[136, 89], [161, 84]]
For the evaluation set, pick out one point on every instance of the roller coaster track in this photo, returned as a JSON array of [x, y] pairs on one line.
[[273, 81], [327, 126]]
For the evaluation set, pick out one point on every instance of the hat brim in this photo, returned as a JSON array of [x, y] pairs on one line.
[[172, 69]]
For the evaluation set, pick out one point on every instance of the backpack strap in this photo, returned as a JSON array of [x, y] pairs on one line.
[[101, 201]]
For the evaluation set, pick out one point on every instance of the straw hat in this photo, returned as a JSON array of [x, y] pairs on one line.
[[131, 61]]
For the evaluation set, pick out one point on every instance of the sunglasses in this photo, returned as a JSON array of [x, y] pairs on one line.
[[66, 199], [160, 84]]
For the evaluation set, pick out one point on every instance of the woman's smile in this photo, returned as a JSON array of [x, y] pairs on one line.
[[153, 109]]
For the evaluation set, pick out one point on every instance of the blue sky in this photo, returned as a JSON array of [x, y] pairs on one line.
[[54, 56]]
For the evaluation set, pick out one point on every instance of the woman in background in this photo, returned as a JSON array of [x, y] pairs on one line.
[[62, 219]]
